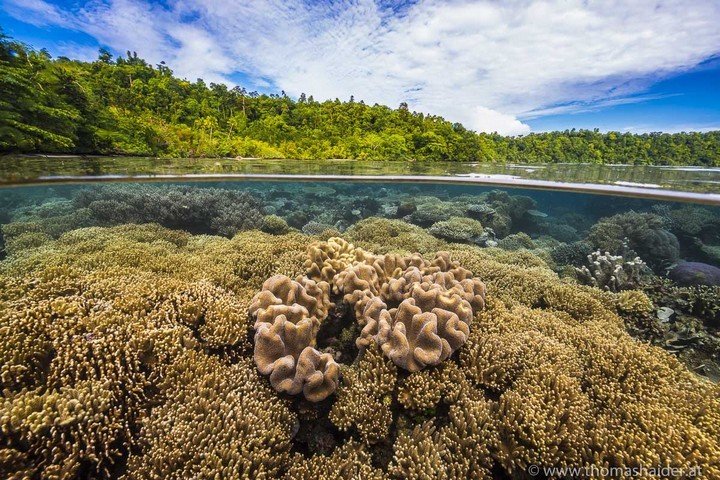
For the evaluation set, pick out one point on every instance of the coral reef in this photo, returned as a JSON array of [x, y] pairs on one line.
[[643, 233], [137, 351], [459, 229], [365, 397], [382, 235], [574, 253], [275, 225], [611, 272], [116, 328], [516, 241]]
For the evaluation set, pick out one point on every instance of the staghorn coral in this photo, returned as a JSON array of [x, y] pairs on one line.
[[425, 389], [611, 272], [417, 455], [574, 253], [634, 302], [702, 300], [690, 220], [467, 439], [435, 211], [543, 420]]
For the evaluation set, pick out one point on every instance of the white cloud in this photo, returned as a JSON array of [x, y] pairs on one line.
[[486, 64], [487, 120]]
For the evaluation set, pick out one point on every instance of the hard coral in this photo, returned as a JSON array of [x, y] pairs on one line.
[[125, 354], [381, 235], [458, 229], [644, 233], [611, 272], [364, 397], [106, 327]]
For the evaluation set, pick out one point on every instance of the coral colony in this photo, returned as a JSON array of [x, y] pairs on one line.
[[305, 333]]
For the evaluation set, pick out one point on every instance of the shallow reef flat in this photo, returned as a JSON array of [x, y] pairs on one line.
[[132, 351]]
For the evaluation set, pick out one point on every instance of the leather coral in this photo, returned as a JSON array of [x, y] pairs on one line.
[[287, 318]]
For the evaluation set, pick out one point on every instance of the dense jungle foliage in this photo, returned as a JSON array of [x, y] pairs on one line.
[[126, 106]]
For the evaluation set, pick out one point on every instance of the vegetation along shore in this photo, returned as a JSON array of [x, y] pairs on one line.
[[126, 106]]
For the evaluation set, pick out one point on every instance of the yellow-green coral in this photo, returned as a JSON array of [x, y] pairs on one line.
[[364, 397], [126, 351], [98, 319], [382, 235]]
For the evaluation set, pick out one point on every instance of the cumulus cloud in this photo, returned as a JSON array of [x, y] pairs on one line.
[[486, 64], [487, 120]]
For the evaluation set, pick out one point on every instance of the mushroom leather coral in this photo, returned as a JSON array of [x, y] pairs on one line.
[[425, 329], [287, 318], [437, 300]]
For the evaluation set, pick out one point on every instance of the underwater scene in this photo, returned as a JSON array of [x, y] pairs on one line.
[[356, 330]]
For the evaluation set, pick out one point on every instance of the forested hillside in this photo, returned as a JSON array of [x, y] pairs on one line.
[[126, 106]]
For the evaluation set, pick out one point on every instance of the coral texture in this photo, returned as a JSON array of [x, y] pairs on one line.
[[643, 233], [611, 272], [126, 354], [287, 318]]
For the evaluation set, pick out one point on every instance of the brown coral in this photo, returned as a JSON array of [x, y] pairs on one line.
[[425, 329], [125, 351], [364, 398], [287, 318], [326, 259]]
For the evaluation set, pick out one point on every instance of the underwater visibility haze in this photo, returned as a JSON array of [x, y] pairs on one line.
[[277, 328]]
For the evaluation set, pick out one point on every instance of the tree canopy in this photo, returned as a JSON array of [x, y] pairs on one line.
[[126, 106]]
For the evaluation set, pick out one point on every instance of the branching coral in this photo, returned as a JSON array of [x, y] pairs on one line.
[[425, 389], [644, 233], [611, 272], [543, 420], [364, 398], [275, 225], [195, 209], [127, 352], [381, 235], [350, 461], [459, 229], [96, 322], [417, 455], [216, 420]]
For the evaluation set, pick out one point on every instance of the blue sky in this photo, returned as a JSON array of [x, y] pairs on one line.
[[513, 67]]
